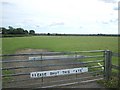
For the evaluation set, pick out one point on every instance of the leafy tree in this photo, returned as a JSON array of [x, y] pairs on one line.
[[32, 32], [11, 28], [13, 31], [48, 34], [26, 32], [4, 30], [19, 31]]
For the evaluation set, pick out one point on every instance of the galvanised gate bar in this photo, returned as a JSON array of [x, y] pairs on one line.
[[55, 69]]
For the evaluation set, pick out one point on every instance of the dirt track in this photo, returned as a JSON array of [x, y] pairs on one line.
[[40, 82]]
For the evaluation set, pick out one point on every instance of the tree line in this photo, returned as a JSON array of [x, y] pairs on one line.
[[16, 31], [57, 34]]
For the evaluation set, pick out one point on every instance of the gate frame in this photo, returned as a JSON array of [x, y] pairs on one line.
[[107, 60]]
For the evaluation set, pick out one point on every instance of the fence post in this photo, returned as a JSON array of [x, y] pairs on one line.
[[107, 64]]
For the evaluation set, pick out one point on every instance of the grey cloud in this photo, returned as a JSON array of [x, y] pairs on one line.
[[57, 23], [110, 21], [109, 1], [81, 27], [105, 22], [116, 8], [114, 20], [7, 3], [37, 26]]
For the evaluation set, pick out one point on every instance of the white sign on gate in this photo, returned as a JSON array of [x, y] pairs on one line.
[[58, 72]]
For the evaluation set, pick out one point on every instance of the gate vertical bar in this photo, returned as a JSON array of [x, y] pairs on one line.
[[107, 64], [76, 60], [41, 69]]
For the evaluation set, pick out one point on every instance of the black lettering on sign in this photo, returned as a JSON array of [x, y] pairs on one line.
[[51, 73], [76, 71], [65, 72], [38, 74], [35, 74], [80, 70], [44, 74], [32, 75], [73, 70], [58, 72], [54, 73]]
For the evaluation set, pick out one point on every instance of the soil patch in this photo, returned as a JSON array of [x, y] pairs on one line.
[[30, 51]]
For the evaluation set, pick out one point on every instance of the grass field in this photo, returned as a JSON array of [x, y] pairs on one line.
[[57, 43], [63, 43], [60, 43]]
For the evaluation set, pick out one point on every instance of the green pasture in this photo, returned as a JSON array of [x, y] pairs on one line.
[[60, 43]]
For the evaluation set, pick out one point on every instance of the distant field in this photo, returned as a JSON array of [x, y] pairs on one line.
[[60, 43]]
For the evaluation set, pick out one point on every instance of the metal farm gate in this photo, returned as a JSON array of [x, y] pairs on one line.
[[54, 69]]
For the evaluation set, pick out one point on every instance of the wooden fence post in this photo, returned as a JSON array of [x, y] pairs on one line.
[[108, 65]]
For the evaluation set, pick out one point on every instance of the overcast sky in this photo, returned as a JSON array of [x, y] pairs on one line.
[[62, 16]]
